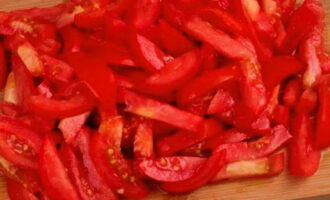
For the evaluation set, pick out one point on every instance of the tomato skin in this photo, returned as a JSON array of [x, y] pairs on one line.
[[153, 109], [162, 169], [16, 191], [53, 174], [203, 175]]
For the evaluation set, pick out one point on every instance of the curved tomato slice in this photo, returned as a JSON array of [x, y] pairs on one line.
[[143, 141], [71, 126], [53, 174], [80, 176], [171, 169], [18, 143], [259, 148], [56, 108], [202, 176], [111, 165]]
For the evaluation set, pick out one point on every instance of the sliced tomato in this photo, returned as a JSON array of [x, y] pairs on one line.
[[172, 40], [111, 165], [71, 126], [116, 30], [172, 14], [252, 87], [221, 19], [61, 108], [323, 114], [19, 143], [53, 174], [113, 127], [259, 148], [205, 83], [102, 82], [3, 67], [17, 191], [146, 53], [143, 142], [171, 169], [83, 145], [202, 176], [222, 42], [57, 70], [222, 101], [277, 69], [176, 73], [72, 39], [292, 92], [304, 158], [263, 167], [225, 137], [153, 109], [23, 82], [10, 92], [144, 13], [171, 145], [281, 115], [91, 18]]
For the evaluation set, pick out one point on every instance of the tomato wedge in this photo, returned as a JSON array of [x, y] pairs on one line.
[[222, 42], [19, 143], [71, 126], [3, 67], [143, 142], [111, 165], [144, 13], [53, 174], [263, 167], [171, 169], [205, 83], [153, 109], [203, 175]]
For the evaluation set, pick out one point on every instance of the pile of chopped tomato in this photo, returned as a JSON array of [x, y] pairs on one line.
[[103, 99]]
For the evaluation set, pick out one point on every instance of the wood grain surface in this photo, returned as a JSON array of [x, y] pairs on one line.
[[279, 188]]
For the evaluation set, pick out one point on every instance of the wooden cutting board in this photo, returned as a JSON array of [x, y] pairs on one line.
[[279, 188]]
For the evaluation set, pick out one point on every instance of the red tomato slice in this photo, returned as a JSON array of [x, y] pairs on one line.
[[171, 169], [17, 191], [292, 92], [144, 13], [19, 144], [222, 42], [146, 53], [3, 67], [83, 144], [172, 40], [169, 145], [143, 142], [263, 167], [111, 165], [304, 159], [153, 109], [205, 83], [202, 176], [321, 138], [58, 108], [71, 126], [257, 149], [53, 174], [57, 70]]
